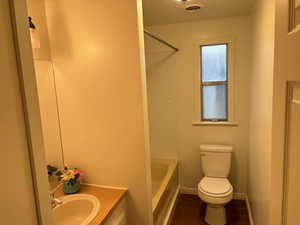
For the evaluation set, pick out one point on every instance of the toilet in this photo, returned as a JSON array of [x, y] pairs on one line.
[[214, 188]]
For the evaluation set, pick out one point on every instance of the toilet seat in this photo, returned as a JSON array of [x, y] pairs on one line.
[[215, 187], [215, 191]]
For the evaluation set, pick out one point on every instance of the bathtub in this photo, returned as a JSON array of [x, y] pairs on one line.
[[165, 189]]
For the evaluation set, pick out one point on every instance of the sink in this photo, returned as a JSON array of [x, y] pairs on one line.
[[77, 209]]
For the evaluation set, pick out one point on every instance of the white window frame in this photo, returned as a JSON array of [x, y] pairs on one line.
[[231, 106]]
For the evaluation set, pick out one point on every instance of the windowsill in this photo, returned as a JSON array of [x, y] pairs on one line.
[[207, 123]]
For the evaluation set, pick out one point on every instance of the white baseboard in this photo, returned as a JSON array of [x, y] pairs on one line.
[[239, 196], [249, 211], [188, 190]]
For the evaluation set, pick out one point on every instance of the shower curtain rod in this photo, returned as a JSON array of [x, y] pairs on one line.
[[160, 40]]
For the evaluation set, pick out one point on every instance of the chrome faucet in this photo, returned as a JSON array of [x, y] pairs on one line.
[[55, 201]]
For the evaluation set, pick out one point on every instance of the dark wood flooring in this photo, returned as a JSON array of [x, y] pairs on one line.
[[190, 210]]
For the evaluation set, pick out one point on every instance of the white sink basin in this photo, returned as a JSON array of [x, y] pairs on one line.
[[78, 209]]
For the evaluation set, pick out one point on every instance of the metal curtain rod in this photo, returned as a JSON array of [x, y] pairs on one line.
[[161, 40]]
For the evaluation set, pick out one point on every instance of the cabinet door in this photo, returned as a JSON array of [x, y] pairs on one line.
[[119, 215]]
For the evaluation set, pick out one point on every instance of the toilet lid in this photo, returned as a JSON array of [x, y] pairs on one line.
[[215, 186]]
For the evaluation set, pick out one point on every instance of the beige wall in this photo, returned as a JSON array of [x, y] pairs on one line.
[[17, 198], [261, 111], [96, 59], [171, 78]]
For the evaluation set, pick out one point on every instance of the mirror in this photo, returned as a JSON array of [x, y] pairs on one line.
[[47, 92], [47, 89], [294, 14]]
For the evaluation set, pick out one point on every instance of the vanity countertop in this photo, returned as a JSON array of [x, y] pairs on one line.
[[108, 197]]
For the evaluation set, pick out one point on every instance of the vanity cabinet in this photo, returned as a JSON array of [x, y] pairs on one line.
[[118, 215]]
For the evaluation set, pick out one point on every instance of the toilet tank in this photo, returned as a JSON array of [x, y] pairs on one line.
[[216, 160]]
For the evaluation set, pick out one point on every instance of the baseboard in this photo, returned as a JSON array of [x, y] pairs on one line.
[[172, 207], [239, 196], [188, 190], [249, 211]]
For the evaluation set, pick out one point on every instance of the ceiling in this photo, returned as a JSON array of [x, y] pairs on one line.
[[171, 11]]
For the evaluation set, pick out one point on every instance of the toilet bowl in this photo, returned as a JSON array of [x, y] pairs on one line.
[[216, 192], [215, 189]]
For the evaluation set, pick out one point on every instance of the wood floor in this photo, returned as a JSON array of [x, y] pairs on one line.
[[190, 210]]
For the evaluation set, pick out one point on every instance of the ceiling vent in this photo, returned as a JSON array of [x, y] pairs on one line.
[[192, 5]]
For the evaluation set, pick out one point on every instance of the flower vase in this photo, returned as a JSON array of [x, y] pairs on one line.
[[70, 188]]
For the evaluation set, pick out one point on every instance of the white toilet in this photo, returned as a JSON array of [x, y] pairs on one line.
[[215, 189]]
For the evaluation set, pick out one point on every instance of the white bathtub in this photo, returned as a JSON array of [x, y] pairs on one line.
[[165, 189]]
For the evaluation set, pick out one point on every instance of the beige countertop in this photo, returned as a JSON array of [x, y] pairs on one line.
[[108, 197]]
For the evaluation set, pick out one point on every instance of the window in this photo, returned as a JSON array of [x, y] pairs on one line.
[[214, 85], [214, 82]]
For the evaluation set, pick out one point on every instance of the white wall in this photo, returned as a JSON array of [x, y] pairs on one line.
[[17, 195], [261, 111], [96, 58], [162, 110], [171, 78]]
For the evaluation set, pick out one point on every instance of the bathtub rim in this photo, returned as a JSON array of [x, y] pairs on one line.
[[172, 165]]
